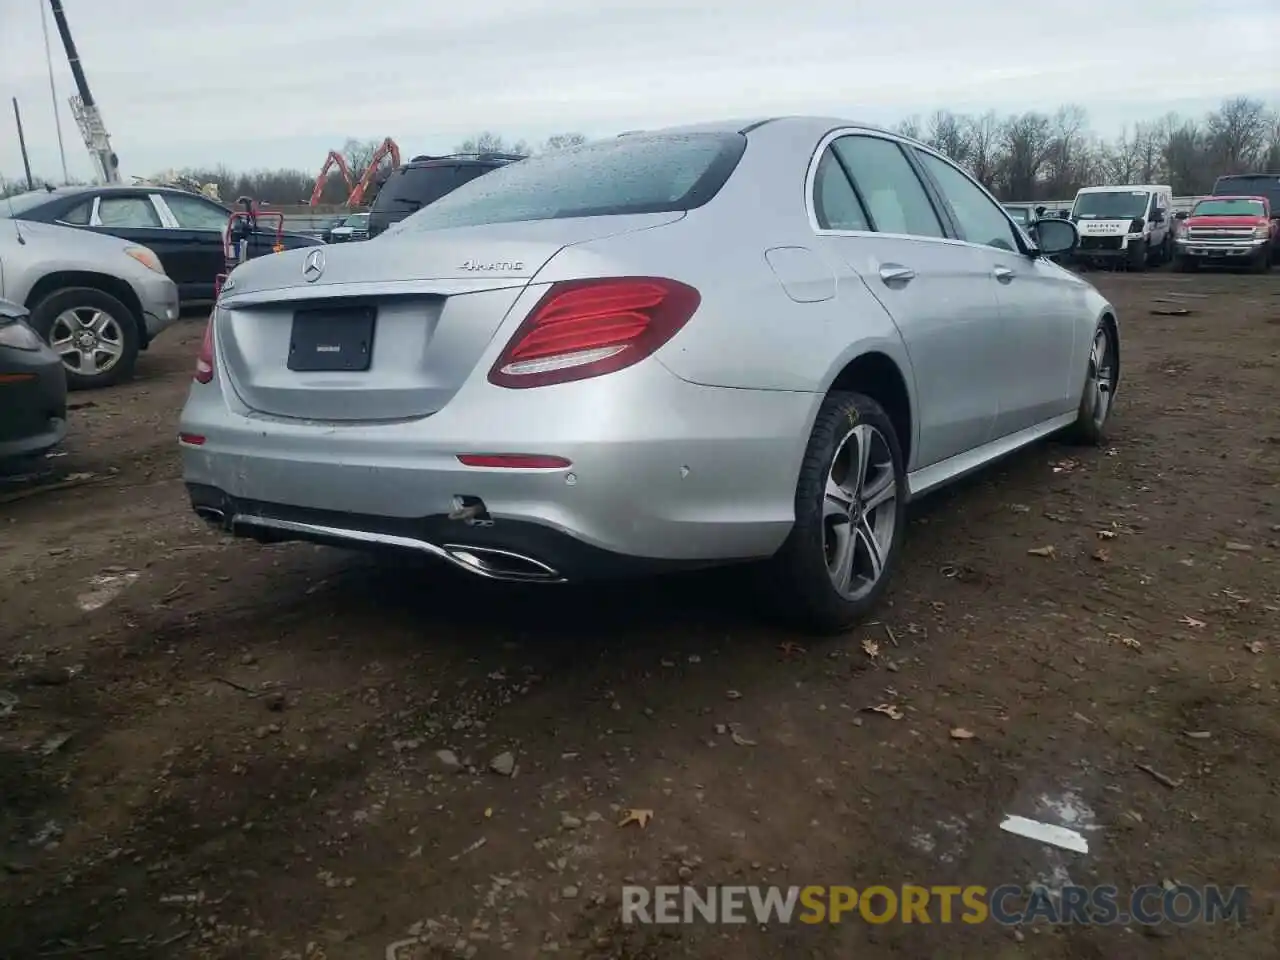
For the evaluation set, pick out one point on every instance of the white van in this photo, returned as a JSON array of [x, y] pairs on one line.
[[1131, 226]]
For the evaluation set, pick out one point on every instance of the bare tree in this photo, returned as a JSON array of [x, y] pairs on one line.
[[1026, 143], [563, 141], [359, 154], [1068, 153], [1238, 133], [982, 134], [949, 135], [910, 127], [490, 142]]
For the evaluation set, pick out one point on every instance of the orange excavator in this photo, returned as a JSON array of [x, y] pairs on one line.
[[387, 150], [334, 159]]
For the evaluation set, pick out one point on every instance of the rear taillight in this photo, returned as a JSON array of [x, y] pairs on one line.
[[204, 362], [585, 328]]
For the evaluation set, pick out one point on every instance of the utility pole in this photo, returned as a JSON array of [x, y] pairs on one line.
[[22, 145], [53, 93]]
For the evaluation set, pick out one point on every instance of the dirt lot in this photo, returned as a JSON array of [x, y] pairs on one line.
[[214, 749]]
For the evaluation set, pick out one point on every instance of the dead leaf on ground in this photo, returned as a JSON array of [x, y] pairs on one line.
[[1102, 554], [1107, 534], [1065, 466], [1191, 622], [888, 709], [739, 739], [1255, 646], [637, 816], [1131, 643], [1050, 551], [790, 649], [960, 733], [870, 648], [1170, 311]]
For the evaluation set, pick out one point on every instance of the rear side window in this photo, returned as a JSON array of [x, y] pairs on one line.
[[79, 214], [632, 174], [835, 205], [133, 212], [895, 197]]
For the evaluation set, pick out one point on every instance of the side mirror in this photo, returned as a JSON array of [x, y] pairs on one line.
[[1180, 215], [1157, 216], [1039, 211], [1055, 236]]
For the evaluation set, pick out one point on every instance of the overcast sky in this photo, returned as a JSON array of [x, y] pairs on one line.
[[270, 83]]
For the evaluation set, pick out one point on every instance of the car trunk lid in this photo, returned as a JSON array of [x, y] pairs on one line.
[[387, 329]]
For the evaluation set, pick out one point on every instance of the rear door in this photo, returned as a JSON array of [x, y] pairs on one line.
[[1040, 306], [196, 227], [132, 215], [940, 292]]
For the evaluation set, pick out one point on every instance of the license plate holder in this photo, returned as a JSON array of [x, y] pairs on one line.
[[332, 339]]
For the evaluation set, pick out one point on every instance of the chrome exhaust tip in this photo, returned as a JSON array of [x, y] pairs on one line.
[[501, 564]]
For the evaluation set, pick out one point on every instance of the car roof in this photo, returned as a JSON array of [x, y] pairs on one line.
[[1234, 196], [1126, 187], [77, 189], [789, 125]]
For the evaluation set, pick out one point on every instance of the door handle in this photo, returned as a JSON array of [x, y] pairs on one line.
[[1004, 274], [895, 273]]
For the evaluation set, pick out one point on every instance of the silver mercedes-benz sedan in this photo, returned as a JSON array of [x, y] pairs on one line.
[[729, 342]]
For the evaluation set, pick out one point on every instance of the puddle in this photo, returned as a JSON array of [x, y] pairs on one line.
[[103, 589]]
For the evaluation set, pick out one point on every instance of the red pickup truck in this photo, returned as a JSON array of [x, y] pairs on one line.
[[1228, 231]]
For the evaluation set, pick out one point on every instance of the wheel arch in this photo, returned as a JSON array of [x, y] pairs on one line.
[[120, 289], [876, 374]]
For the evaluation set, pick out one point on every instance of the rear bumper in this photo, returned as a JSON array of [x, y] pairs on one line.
[[33, 403], [662, 470]]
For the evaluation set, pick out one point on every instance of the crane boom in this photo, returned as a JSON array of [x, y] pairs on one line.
[[83, 108]]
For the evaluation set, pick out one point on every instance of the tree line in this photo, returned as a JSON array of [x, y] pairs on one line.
[[1026, 156]]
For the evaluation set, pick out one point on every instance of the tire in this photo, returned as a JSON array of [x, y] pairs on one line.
[[1091, 419], [117, 335], [1261, 261], [1166, 249], [1138, 256], [1185, 264], [800, 579]]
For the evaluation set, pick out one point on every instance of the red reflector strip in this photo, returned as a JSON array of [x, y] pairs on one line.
[[519, 461], [191, 439], [16, 377]]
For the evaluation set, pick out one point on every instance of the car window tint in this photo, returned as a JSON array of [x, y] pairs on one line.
[[127, 212], [895, 197], [194, 214], [835, 205], [79, 214], [979, 217]]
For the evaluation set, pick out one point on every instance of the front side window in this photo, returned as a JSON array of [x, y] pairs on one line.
[[659, 173], [134, 212], [895, 197], [193, 214], [981, 220]]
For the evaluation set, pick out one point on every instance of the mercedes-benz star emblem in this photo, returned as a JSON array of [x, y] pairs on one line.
[[313, 266]]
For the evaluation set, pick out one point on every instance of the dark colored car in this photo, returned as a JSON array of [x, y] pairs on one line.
[[184, 229], [33, 388], [1251, 185], [424, 180]]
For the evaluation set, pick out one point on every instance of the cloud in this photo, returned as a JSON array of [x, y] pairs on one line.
[[255, 84]]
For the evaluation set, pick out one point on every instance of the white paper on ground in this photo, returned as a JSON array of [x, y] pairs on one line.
[[1046, 833]]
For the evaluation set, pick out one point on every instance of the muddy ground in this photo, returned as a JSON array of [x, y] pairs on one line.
[[215, 749]]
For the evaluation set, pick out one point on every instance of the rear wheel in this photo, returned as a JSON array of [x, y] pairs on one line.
[[850, 518], [1101, 379], [94, 333]]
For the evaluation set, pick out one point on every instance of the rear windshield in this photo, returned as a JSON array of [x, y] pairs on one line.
[[23, 202], [1229, 208], [412, 188], [632, 174]]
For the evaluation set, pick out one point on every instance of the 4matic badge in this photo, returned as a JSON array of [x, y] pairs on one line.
[[505, 266]]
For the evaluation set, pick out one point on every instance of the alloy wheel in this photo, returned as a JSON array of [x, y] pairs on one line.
[[1102, 383], [859, 511], [88, 340]]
